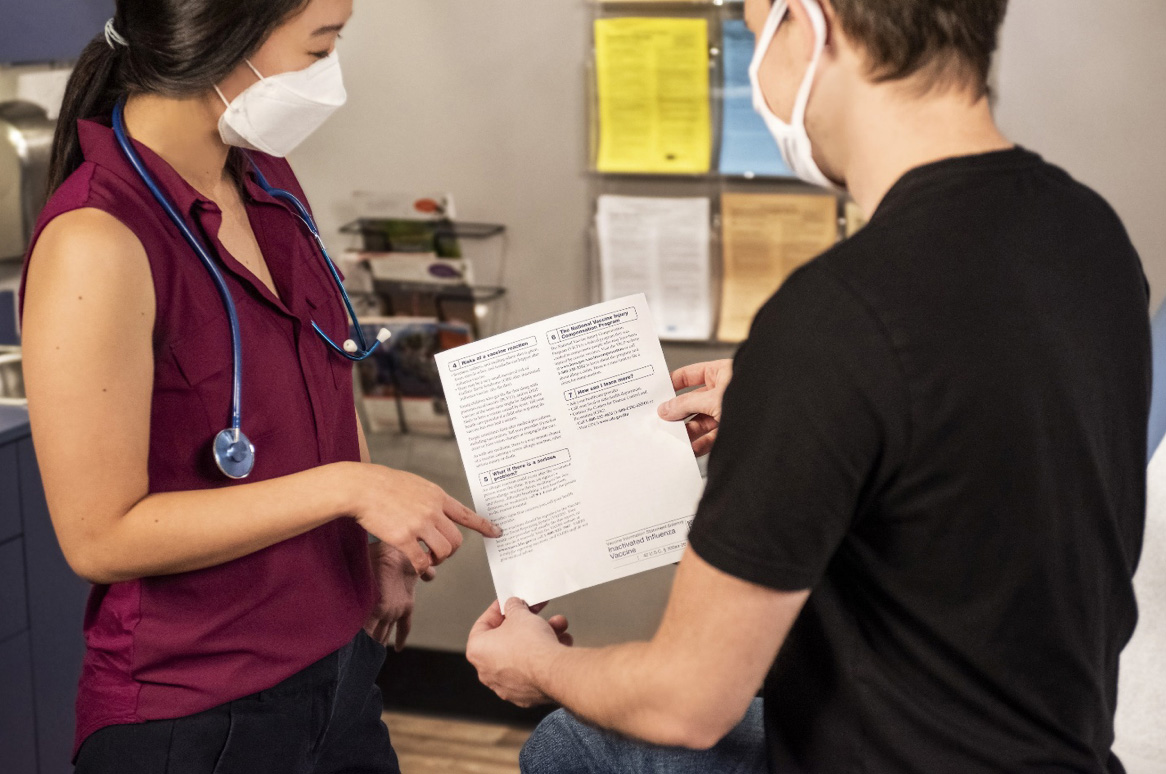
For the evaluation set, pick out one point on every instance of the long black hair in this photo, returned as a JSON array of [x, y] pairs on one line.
[[178, 48]]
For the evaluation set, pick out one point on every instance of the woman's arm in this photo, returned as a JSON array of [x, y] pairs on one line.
[[88, 358], [362, 440]]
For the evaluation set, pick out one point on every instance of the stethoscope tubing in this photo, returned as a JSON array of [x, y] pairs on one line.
[[302, 213], [233, 452], [196, 245]]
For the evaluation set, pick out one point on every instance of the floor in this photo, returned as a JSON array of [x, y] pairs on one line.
[[427, 745]]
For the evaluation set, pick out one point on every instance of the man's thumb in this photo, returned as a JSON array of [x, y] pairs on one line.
[[514, 605]]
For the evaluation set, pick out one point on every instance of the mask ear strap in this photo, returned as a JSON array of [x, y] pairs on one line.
[[818, 23], [258, 75]]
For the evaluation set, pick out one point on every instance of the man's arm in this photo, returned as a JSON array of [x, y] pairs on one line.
[[689, 686]]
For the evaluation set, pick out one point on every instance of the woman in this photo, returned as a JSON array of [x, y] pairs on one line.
[[224, 630]]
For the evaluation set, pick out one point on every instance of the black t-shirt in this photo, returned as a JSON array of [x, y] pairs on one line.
[[939, 426]]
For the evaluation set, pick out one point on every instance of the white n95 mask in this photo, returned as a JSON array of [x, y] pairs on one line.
[[791, 138], [276, 114]]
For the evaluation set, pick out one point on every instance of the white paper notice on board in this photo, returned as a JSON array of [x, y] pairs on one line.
[[659, 247], [558, 431]]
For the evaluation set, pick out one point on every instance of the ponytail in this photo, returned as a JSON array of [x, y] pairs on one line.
[[179, 48], [93, 89]]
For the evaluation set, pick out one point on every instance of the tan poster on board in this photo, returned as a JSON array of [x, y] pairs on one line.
[[766, 237], [855, 219]]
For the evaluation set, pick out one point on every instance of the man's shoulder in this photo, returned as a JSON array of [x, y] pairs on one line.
[[855, 262], [824, 294]]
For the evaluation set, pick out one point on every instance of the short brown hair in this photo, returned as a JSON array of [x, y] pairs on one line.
[[950, 41]]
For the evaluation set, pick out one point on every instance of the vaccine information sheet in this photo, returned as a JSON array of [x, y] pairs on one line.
[[558, 431]]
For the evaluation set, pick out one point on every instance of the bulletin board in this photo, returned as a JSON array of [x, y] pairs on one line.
[[693, 204]]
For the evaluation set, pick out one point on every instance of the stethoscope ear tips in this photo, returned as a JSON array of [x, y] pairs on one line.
[[351, 347]]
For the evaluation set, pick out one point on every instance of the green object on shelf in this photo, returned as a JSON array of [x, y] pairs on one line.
[[404, 235]]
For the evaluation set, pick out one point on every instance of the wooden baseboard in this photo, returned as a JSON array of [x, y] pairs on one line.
[[435, 682]]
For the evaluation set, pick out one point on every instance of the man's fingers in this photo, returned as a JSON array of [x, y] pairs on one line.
[[695, 402], [689, 376], [429, 575], [491, 619], [558, 623], [704, 445], [700, 427], [515, 605], [467, 518]]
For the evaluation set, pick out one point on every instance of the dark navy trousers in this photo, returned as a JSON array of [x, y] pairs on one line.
[[323, 720]]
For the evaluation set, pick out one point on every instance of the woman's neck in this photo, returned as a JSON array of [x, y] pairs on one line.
[[184, 132]]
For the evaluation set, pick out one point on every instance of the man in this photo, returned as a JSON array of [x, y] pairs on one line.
[[926, 500]]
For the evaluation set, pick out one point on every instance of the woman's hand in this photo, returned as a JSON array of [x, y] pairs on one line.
[[396, 581], [406, 511], [703, 403]]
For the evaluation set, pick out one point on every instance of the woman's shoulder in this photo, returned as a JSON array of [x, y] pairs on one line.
[[94, 188], [85, 217], [91, 246]]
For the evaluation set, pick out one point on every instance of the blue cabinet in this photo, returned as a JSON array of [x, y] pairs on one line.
[[50, 30], [42, 605]]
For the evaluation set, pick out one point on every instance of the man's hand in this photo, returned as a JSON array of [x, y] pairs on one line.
[[687, 687], [703, 403], [396, 580], [505, 649]]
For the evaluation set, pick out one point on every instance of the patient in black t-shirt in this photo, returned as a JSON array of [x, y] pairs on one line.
[[926, 492]]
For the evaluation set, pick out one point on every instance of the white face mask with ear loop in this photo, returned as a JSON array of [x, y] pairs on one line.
[[792, 139], [276, 114]]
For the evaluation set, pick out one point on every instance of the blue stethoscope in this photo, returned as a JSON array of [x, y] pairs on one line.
[[233, 451]]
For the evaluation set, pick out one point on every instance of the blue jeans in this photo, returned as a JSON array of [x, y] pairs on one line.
[[563, 744]]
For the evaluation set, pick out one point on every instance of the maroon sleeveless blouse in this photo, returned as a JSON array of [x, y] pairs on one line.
[[165, 647]]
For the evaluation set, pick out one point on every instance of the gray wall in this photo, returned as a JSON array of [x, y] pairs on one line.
[[1084, 84], [479, 99]]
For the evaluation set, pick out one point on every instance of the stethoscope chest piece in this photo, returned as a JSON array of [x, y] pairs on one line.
[[234, 453]]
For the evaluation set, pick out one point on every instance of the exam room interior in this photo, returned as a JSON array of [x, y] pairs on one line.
[[487, 100]]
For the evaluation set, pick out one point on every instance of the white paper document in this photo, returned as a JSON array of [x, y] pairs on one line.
[[659, 247], [558, 431]]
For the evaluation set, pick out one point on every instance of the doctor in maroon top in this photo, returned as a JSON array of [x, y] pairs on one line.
[[234, 625]]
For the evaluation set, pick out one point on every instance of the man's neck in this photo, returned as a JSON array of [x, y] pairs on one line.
[[184, 132], [889, 134]]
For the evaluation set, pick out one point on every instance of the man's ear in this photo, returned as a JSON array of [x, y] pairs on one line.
[[801, 17]]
